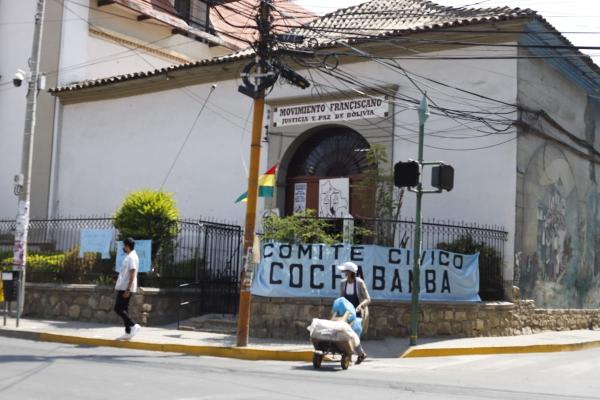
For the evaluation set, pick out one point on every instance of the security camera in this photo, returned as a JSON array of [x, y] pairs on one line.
[[19, 78]]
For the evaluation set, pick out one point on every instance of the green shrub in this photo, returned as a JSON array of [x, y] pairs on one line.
[[465, 244], [302, 227], [148, 214], [53, 260], [40, 267], [75, 268], [65, 267]]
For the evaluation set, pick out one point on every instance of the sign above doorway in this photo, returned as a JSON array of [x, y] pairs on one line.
[[331, 111]]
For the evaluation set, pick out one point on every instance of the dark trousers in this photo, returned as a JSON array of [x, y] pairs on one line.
[[359, 350], [122, 310]]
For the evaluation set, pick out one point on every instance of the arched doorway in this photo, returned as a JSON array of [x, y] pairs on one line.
[[335, 152]]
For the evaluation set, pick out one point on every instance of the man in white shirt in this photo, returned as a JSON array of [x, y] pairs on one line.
[[126, 285]]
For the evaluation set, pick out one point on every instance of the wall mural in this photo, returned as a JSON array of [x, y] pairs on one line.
[[560, 258]]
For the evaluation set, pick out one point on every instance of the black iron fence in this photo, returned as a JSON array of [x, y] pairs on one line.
[[204, 252], [207, 255], [469, 238], [216, 277]]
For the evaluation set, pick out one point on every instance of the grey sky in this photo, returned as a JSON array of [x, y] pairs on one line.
[[564, 15]]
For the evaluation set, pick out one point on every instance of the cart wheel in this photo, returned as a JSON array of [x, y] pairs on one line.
[[317, 360], [346, 359]]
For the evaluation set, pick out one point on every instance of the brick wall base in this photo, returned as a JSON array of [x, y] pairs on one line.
[[287, 318]]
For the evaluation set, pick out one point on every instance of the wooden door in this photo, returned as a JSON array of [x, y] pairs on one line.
[[360, 206]]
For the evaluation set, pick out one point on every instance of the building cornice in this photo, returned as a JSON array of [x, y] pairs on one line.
[[138, 45]]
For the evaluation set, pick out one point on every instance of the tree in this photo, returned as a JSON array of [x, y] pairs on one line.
[[148, 214], [388, 198]]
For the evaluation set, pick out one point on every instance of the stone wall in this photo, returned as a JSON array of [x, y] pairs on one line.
[[91, 303], [288, 318]]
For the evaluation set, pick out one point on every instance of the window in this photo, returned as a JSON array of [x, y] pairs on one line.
[[333, 152], [194, 12]]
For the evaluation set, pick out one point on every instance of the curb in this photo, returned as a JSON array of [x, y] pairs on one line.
[[242, 353], [472, 351]]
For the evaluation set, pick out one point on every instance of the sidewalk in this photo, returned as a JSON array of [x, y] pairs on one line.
[[545, 342], [169, 339], [166, 338]]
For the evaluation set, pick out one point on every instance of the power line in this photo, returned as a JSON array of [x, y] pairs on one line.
[[361, 36], [393, 134], [125, 53], [184, 90], [412, 81], [187, 137]]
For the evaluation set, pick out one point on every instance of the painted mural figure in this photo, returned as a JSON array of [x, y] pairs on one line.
[[554, 236], [333, 202]]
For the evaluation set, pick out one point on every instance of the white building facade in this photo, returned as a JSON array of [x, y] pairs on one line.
[[519, 124], [86, 40]]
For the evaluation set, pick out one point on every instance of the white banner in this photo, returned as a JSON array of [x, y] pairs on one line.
[[341, 110], [310, 270]]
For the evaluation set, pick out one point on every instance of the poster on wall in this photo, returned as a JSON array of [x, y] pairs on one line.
[[334, 198], [300, 196], [143, 248], [95, 241]]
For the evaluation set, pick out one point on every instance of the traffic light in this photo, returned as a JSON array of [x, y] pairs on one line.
[[442, 177], [406, 174]]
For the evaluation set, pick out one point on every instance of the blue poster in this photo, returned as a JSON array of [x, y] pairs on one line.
[[143, 248], [95, 241], [310, 271]]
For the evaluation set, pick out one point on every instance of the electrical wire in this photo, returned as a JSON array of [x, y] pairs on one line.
[[445, 111], [119, 55], [187, 137], [187, 92], [392, 134]]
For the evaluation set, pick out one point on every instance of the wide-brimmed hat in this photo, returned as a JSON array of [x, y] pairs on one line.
[[348, 266]]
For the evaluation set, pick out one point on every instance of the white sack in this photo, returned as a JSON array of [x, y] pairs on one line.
[[335, 331]]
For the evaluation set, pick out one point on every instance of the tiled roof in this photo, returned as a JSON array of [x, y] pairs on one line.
[[390, 17], [146, 74], [365, 22]]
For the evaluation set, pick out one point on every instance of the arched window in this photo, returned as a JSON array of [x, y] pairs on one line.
[[333, 152]]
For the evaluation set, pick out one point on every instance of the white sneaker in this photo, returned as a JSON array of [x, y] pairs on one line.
[[134, 330], [126, 336]]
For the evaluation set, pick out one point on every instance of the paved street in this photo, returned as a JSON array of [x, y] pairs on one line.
[[33, 370]]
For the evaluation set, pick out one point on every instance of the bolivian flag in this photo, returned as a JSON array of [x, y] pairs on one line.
[[266, 185]]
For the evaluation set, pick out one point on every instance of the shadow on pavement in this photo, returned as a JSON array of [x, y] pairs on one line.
[[326, 367], [395, 347], [21, 358]]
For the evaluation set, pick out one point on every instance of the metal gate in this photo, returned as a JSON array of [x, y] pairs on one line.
[[215, 289]]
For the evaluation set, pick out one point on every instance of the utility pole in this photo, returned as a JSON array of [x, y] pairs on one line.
[[256, 90], [23, 180], [417, 248], [257, 77]]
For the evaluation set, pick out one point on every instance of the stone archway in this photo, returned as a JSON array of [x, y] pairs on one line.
[[332, 152]]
